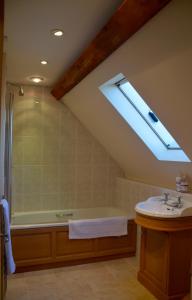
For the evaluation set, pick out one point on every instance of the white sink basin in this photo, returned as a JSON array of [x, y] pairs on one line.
[[155, 206]]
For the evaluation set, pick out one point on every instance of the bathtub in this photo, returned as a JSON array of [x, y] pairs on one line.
[[60, 217], [41, 239]]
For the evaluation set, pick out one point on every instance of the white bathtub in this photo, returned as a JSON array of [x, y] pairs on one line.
[[60, 217], [47, 234]]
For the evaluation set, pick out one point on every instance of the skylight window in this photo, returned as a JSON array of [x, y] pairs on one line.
[[134, 110]]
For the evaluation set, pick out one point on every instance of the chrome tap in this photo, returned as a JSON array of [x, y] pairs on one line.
[[166, 197], [179, 204]]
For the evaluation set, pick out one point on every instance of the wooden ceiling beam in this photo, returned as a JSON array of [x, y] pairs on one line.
[[128, 19]]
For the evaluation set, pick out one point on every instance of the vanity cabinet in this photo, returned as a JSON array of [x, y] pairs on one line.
[[165, 256]]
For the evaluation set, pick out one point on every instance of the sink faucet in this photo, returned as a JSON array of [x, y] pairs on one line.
[[179, 204], [166, 197]]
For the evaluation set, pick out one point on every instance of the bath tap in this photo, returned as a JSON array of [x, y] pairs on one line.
[[61, 215]]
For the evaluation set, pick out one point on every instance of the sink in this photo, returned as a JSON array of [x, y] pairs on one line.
[[155, 206]]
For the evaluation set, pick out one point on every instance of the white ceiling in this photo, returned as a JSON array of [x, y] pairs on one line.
[[28, 26]]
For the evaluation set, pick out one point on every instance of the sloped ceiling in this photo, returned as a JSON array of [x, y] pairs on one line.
[[157, 61]]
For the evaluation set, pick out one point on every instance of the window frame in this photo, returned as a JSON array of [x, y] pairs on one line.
[[127, 113], [167, 146]]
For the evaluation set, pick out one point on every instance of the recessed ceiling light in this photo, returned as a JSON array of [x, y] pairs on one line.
[[44, 62], [57, 32], [36, 79]]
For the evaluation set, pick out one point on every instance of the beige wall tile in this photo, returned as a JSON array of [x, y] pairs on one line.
[[31, 179], [100, 177], [17, 150], [32, 121], [50, 124], [98, 196], [66, 179], [17, 179], [50, 149], [83, 178], [17, 202], [50, 178], [67, 149], [19, 123], [31, 149], [57, 163], [67, 200], [83, 199], [129, 193], [100, 156], [83, 151], [50, 201], [32, 202], [68, 123]]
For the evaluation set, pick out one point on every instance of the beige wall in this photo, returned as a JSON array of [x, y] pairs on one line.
[[57, 164], [157, 61]]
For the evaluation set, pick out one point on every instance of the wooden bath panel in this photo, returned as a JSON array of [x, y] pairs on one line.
[[40, 248]]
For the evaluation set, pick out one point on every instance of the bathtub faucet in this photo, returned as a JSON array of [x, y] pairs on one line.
[[62, 215]]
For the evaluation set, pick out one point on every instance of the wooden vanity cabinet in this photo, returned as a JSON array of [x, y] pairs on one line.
[[165, 256]]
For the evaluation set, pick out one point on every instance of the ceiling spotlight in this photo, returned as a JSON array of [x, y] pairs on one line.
[[36, 79], [44, 62], [57, 32]]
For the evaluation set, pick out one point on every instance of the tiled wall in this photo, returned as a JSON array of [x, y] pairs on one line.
[[129, 193], [57, 164]]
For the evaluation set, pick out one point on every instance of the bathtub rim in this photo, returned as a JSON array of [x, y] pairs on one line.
[[64, 222], [45, 225]]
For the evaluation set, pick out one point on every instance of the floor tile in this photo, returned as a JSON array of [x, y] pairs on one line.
[[110, 280]]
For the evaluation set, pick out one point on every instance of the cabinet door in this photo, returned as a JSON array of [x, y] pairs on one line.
[[154, 257]]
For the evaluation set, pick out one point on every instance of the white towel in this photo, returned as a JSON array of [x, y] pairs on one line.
[[8, 246], [94, 228]]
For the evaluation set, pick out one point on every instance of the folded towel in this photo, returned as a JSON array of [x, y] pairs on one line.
[[8, 247], [94, 228]]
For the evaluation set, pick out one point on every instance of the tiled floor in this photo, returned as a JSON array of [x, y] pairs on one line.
[[111, 280]]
